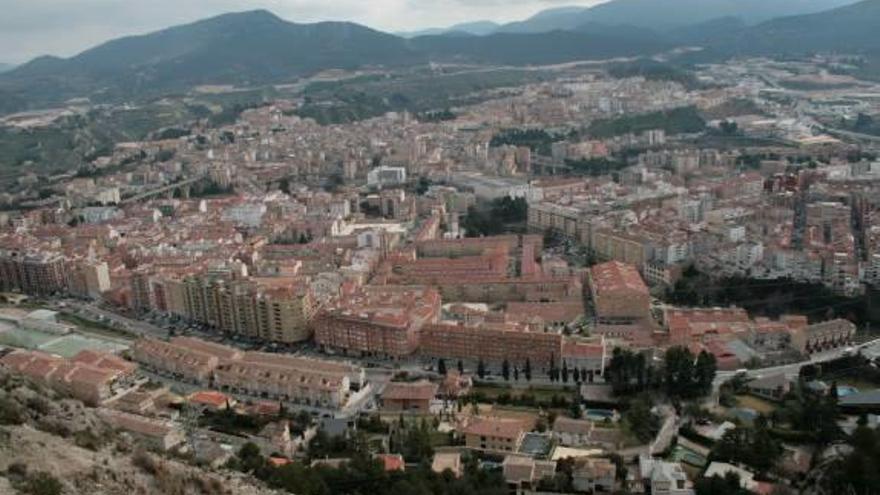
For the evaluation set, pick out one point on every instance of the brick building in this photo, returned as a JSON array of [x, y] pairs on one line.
[[491, 342], [619, 295], [378, 321]]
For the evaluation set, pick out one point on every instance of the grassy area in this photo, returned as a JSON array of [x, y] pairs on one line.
[[760, 405], [539, 393], [93, 327]]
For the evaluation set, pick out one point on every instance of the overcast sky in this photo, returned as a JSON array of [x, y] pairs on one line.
[[29, 28]]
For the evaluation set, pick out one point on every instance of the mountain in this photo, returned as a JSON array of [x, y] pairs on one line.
[[563, 18], [668, 14], [6, 67], [257, 48], [476, 28], [850, 29], [533, 49], [241, 48]]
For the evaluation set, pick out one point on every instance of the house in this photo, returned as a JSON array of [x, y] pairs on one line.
[[447, 461], [210, 400], [274, 438], [522, 474], [773, 387], [593, 475], [864, 402], [663, 478], [494, 434], [155, 433], [391, 462], [455, 384], [572, 432], [721, 469], [409, 397]]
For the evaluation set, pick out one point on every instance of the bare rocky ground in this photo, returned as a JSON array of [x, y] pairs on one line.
[[42, 433]]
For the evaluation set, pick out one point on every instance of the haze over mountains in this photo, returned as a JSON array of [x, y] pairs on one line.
[[657, 15], [257, 47]]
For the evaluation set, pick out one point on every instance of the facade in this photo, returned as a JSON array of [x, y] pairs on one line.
[[37, 273], [593, 475], [378, 321], [824, 336], [409, 397], [494, 434], [664, 478], [180, 363], [773, 387], [523, 474], [447, 461], [278, 377], [572, 432], [619, 295], [589, 356], [158, 434], [492, 343], [89, 376], [259, 375]]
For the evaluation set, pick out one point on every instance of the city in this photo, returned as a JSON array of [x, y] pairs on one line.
[[618, 270]]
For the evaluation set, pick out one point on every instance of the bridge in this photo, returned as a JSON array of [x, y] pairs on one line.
[[183, 186], [542, 165]]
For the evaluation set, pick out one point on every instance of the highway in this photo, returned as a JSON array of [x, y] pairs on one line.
[[93, 312], [792, 370]]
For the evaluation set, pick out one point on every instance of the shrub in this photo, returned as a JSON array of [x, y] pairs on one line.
[[41, 483], [11, 412]]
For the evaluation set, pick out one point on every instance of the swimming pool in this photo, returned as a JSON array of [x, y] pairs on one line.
[[599, 414], [844, 390]]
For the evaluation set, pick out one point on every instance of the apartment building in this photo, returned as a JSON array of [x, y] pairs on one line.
[[378, 321], [89, 376], [37, 273], [494, 434], [277, 377], [492, 343], [619, 295]]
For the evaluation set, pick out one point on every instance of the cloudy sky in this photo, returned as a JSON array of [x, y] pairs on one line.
[[29, 28]]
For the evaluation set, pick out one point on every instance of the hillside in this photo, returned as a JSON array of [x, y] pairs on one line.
[[668, 14], [477, 28], [245, 48], [851, 29], [533, 49]]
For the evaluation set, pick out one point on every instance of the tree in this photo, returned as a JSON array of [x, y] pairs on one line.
[[515, 373], [704, 372], [754, 447], [716, 485], [505, 370], [527, 370], [564, 372], [576, 411], [639, 419], [678, 368], [460, 367], [441, 367], [481, 368], [249, 457], [42, 483]]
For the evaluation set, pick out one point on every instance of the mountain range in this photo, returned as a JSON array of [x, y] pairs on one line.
[[658, 15], [257, 47]]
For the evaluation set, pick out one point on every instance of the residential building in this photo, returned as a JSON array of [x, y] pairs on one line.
[[593, 475], [493, 434], [409, 397]]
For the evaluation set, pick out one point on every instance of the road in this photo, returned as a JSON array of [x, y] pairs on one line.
[[792, 370], [93, 312]]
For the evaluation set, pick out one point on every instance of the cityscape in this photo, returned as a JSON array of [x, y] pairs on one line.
[[610, 248]]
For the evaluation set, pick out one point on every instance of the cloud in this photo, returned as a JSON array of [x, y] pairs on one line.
[[29, 28]]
